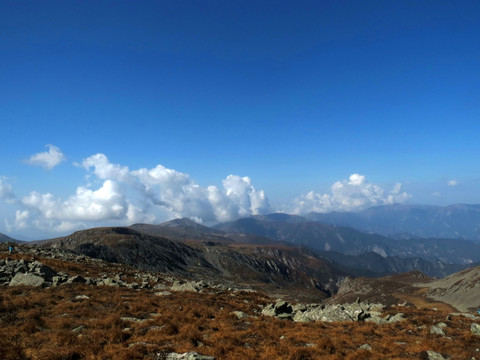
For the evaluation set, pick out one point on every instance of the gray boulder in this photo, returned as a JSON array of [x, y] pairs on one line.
[[27, 279]]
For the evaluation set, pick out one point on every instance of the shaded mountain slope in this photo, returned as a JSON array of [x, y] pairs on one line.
[[373, 265], [127, 246], [272, 268], [310, 233]]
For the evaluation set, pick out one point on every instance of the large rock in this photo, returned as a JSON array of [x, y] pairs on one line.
[[27, 279], [475, 329]]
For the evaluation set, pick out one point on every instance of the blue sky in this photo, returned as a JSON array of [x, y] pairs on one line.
[[296, 96]]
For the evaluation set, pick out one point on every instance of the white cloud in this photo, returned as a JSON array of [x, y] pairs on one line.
[[356, 193], [48, 159], [103, 169], [121, 196], [21, 219], [453, 183], [106, 203], [6, 191]]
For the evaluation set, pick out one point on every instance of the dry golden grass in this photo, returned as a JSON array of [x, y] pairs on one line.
[[53, 324]]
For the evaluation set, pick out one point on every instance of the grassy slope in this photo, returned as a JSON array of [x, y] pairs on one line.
[[38, 323]]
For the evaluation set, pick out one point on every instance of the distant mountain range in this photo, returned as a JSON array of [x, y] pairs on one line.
[[312, 252], [348, 241], [410, 221]]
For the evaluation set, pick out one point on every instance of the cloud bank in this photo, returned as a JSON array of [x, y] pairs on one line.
[[117, 195], [48, 159], [353, 194]]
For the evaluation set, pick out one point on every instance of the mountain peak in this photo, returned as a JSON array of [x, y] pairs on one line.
[[181, 222]]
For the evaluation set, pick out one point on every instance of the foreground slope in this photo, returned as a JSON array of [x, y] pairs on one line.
[[80, 321]]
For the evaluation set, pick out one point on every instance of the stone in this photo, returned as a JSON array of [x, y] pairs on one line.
[[239, 314], [163, 293], [437, 330], [27, 279], [187, 286], [365, 347], [110, 282], [432, 355], [78, 329], [475, 329], [188, 356], [132, 319]]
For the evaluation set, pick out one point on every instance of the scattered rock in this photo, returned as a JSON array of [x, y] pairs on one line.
[[475, 329], [163, 293], [330, 313], [78, 329], [188, 356], [132, 319], [186, 286], [239, 314], [365, 347], [437, 330]]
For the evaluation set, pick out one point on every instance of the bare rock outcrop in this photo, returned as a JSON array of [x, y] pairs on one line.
[[330, 313]]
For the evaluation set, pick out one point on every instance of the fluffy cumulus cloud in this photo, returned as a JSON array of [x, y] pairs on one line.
[[48, 159], [86, 205], [118, 195], [356, 193], [103, 169]]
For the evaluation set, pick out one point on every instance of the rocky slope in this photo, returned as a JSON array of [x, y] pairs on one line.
[[461, 290], [86, 308], [274, 268]]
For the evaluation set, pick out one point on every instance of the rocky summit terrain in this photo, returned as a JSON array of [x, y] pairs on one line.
[[59, 303]]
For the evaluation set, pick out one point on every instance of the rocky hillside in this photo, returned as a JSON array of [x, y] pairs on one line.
[[56, 304], [276, 269], [461, 290]]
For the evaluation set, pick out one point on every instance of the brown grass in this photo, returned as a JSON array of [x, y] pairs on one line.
[[38, 324]]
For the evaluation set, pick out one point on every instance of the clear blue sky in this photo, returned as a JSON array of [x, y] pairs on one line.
[[295, 95]]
